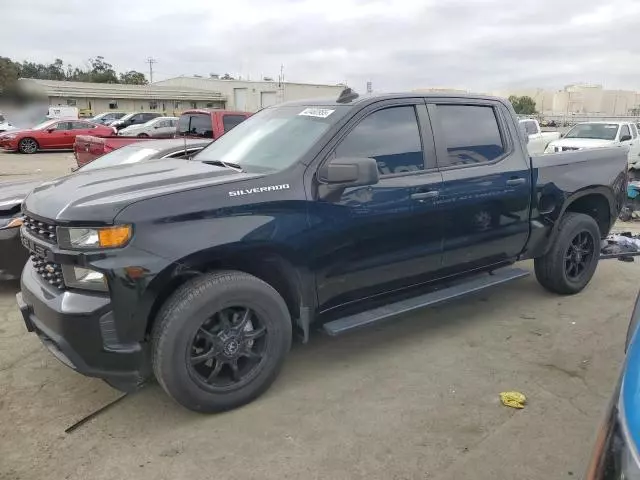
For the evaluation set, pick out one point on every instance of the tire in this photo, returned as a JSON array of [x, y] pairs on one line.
[[556, 270], [28, 145], [143, 135], [192, 316]]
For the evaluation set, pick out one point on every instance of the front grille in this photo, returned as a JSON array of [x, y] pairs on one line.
[[51, 272], [43, 230]]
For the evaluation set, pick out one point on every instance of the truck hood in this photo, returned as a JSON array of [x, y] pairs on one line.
[[581, 142], [12, 193], [99, 195]]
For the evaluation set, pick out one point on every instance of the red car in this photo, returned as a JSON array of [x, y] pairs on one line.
[[51, 135]]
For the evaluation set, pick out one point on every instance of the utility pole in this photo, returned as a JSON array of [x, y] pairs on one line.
[[151, 61]]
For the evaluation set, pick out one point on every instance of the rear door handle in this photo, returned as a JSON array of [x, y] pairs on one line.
[[515, 181], [423, 195]]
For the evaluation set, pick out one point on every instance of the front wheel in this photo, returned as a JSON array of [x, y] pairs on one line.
[[28, 145], [572, 259], [220, 341], [143, 135]]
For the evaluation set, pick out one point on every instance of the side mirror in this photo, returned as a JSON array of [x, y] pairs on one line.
[[350, 171], [562, 135], [625, 138], [50, 130]]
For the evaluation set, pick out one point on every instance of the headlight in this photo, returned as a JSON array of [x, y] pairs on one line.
[[549, 149], [96, 238], [12, 222], [78, 277]]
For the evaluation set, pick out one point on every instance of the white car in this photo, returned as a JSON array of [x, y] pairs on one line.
[[160, 127], [600, 134], [538, 140], [5, 126]]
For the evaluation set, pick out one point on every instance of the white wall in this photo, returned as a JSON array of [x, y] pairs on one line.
[[253, 95]]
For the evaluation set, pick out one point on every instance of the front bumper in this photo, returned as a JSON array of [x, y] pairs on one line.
[[9, 145], [13, 255], [78, 328]]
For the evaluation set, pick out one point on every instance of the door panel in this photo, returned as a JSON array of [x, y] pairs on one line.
[[486, 190], [372, 239], [56, 139]]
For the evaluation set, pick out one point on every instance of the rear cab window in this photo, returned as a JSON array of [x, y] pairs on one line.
[[471, 134], [530, 127], [195, 125]]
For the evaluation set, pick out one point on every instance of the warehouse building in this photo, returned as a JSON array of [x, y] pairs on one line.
[[94, 98], [580, 99], [173, 96], [251, 96]]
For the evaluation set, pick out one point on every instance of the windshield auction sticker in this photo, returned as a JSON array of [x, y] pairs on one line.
[[316, 112]]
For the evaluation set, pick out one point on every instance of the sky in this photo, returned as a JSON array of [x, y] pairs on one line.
[[480, 45]]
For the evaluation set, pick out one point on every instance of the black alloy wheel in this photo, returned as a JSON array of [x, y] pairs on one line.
[[579, 255], [228, 349]]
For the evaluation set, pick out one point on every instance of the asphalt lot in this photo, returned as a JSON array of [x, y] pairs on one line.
[[412, 399]]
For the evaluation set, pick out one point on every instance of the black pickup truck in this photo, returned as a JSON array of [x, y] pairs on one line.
[[333, 213]]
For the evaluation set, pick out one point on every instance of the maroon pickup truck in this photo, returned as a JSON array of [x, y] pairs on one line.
[[199, 123]]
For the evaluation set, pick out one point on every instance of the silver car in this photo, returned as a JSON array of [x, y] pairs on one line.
[[160, 127]]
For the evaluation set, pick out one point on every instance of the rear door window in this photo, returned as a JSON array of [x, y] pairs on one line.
[[230, 121], [471, 134]]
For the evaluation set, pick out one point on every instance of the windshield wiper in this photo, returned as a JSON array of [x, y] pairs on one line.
[[232, 166]]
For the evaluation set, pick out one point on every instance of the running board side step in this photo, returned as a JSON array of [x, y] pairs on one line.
[[450, 292]]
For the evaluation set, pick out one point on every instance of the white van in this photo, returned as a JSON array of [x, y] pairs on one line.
[[4, 124], [60, 111]]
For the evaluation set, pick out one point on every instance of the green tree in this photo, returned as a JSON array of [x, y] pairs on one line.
[[101, 71], [9, 73], [133, 78], [524, 105]]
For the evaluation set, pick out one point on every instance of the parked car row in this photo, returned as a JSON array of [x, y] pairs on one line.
[[62, 134], [203, 124]]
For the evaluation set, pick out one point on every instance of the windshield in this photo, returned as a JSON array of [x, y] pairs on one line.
[[127, 116], [121, 156], [600, 131], [43, 125], [274, 138]]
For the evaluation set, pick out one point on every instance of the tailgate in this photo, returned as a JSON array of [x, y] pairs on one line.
[[87, 148]]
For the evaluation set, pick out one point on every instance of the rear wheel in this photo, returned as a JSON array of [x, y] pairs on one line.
[[220, 341], [28, 145], [572, 259]]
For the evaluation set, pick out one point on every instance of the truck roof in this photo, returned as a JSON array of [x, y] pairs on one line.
[[377, 97]]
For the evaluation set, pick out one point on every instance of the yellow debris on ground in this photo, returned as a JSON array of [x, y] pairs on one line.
[[513, 399]]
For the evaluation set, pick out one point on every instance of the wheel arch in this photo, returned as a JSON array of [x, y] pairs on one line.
[[597, 202], [274, 266]]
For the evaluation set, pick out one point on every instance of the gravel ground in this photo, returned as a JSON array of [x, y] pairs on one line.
[[412, 399]]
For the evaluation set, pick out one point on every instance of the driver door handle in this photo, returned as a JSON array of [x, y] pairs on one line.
[[515, 181], [423, 195]]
